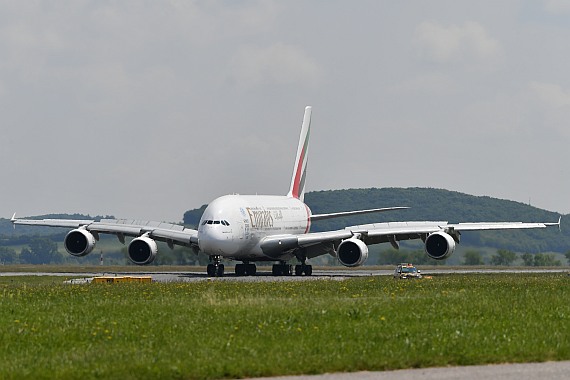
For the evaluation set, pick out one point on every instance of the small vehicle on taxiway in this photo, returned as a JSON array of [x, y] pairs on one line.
[[407, 270]]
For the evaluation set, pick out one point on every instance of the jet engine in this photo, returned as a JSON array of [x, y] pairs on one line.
[[439, 245], [142, 250], [79, 242], [352, 252]]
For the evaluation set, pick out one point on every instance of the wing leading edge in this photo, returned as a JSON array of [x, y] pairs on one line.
[[165, 232], [318, 243], [352, 213]]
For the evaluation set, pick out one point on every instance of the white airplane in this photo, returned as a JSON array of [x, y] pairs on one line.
[[252, 228]]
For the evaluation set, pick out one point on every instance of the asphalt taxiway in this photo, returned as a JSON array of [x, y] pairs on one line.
[[266, 276], [520, 371]]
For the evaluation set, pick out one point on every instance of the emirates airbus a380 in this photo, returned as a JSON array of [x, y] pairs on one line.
[[252, 228]]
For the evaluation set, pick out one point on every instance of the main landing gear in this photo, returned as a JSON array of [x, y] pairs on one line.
[[217, 268], [303, 267], [246, 269], [284, 269]]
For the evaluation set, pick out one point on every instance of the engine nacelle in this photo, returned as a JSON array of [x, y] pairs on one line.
[[439, 245], [79, 242], [352, 252], [142, 250]]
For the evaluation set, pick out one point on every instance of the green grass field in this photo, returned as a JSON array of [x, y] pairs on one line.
[[217, 329]]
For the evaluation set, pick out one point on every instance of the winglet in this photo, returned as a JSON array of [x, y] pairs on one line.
[[13, 219], [555, 224]]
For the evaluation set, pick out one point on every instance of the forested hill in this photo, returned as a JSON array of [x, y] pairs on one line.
[[425, 204], [438, 205]]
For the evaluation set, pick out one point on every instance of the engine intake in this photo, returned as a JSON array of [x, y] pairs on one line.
[[79, 242], [142, 250], [352, 252], [439, 245]]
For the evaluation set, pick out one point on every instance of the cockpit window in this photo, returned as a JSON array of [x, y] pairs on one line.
[[222, 222]]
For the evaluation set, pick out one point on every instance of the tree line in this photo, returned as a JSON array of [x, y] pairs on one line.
[[44, 250], [40, 244]]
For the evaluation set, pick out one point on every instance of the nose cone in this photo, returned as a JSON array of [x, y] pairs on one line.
[[215, 239], [219, 229]]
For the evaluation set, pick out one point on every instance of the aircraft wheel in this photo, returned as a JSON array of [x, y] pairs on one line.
[[250, 269], [220, 270], [211, 269], [308, 270], [298, 270], [276, 270], [240, 269]]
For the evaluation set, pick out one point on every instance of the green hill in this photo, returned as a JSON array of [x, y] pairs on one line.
[[424, 203]]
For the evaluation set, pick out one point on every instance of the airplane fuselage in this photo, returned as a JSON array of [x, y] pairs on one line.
[[233, 226]]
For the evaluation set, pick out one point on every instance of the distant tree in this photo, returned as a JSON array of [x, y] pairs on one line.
[[528, 259], [41, 251], [567, 254], [503, 257], [180, 256], [192, 217], [546, 260], [419, 257], [391, 257], [472, 257], [27, 257], [7, 256]]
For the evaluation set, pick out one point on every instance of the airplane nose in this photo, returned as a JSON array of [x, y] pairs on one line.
[[213, 240]]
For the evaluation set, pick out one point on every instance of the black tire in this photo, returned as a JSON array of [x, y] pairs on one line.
[[276, 270], [240, 269], [211, 269], [220, 271], [298, 270], [250, 269], [308, 270]]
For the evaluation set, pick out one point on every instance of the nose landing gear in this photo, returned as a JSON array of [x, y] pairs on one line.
[[217, 268]]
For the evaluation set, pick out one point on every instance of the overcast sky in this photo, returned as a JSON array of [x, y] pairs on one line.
[[145, 109]]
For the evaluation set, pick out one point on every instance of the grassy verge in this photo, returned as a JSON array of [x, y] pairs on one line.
[[234, 329]]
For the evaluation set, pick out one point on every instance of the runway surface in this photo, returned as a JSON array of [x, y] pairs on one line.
[[266, 276], [523, 371]]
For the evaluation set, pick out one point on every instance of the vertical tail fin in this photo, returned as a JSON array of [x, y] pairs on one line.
[[297, 189]]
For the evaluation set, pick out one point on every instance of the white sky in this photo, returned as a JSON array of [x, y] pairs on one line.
[[145, 109]]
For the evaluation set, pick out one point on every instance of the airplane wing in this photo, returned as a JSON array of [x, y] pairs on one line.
[[352, 213], [414, 230], [319, 243], [160, 231]]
